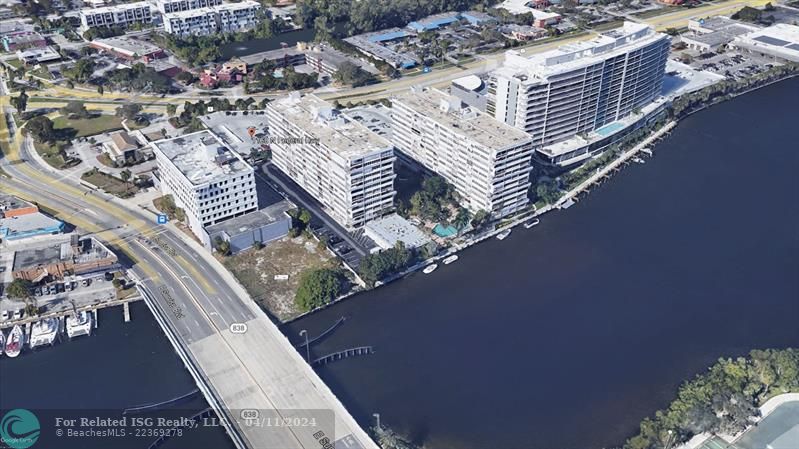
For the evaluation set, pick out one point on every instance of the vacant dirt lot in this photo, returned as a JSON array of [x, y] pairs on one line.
[[256, 270]]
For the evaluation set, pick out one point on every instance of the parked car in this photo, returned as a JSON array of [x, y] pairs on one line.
[[3, 315]]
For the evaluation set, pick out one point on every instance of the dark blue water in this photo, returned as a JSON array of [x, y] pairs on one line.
[[568, 334], [120, 365], [238, 49]]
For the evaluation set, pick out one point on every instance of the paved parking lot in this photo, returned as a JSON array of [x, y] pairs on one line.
[[733, 65], [351, 248]]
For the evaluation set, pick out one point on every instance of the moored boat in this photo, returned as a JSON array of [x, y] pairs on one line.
[[503, 235], [531, 223], [449, 259], [14, 341], [2, 342], [79, 324], [43, 332], [430, 268]]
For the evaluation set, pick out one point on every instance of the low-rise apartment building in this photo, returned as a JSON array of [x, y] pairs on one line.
[[122, 15], [487, 161], [222, 18], [342, 164], [208, 180], [170, 6]]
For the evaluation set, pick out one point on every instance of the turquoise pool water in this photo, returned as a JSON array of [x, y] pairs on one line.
[[609, 129], [442, 231]]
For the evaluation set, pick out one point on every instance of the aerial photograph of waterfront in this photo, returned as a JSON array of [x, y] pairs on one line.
[[399, 224]]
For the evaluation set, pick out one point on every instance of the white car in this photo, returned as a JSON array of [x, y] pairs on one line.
[[3, 315], [18, 314]]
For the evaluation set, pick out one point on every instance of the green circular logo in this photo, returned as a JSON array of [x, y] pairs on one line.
[[19, 429]]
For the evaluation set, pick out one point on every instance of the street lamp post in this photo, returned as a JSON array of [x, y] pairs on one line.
[[307, 346], [377, 418]]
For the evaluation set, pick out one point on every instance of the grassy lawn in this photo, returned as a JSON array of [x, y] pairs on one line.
[[42, 72], [256, 270], [52, 156], [105, 160], [16, 63], [109, 184], [90, 126], [654, 12]]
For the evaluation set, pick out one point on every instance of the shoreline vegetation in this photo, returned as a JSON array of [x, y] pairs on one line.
[[724, 400]]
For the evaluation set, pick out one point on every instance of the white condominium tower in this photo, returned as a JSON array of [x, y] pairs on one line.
[[168, 6], [579, 87], [338, 161], [222, 18], [208, 180], [487, 161]]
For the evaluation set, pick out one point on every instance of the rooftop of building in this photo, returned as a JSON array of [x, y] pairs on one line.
[[246, 4], [572, 56], [392, 228], [11, 202], [334, 129], [115, 8], [62, 249], [252, 220], [202, 157], [127, 45], [521, 7], [780, 37], [435, 21], [28, 225], [448, 111], [23, 36]]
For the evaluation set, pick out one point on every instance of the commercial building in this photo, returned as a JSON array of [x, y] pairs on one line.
[[487, 161], [169, 6], [338, 161], [23, 40], [434, 22], [38, 55], [541, 19], [579, 87], [66, 255], [780, 41], [21, 220], [261, 226], [129, 48], [375, 46], [714, 33], [222, 18], [389, 230], [208, 180], [122, 15]]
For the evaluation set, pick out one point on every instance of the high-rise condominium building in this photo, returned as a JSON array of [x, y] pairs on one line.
[[338, 161], [579, 87], [487, 161], [123, 15]]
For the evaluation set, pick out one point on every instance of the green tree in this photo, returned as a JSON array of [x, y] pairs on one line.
[[375, 267], [304, 217], [19, 288], [129, 111], [171, 109], [222, 246], [480, 218], [41, 128], [75, 109], [20, 102], [100, 90], [126, 175], [322, 30], [318, 287]]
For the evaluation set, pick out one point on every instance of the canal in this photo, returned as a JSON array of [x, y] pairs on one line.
[[568, 334]]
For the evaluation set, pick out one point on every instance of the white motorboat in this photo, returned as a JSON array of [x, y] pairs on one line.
[[79, 324], [43, 332], [503, 235], [531, 223], [14, 341], [448, 260], [430, 268], [2, 342]]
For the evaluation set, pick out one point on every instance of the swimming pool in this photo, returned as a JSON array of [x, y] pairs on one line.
[[445, 232], [609, 129]]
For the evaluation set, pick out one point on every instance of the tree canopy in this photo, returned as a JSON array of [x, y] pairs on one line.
[[318, 287], [19, 288], [41, 129], [375, 267]]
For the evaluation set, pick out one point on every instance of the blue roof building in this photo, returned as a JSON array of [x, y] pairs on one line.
[[477, 17], [434, 22]]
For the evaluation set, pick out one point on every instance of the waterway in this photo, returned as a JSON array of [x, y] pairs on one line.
[[238, 49], [568, 334], [121, 365], [562, 336]]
